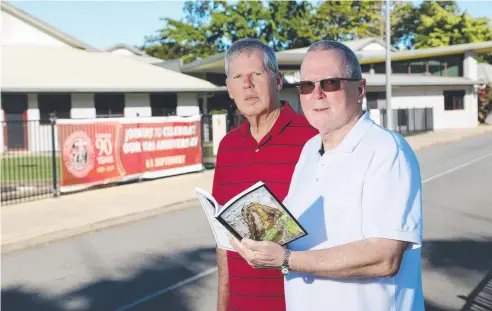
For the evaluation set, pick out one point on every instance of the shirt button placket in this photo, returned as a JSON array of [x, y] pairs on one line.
[[320, 169]]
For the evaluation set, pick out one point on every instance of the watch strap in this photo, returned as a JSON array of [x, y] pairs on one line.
[[285, 263]]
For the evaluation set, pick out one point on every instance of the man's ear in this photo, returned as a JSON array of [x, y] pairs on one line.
[[228, 90], [279, 81], [361, 91]]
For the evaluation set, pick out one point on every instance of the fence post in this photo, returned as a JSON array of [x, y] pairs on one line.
[[414, 118], [53, 154], [425, 119], [202, 137]]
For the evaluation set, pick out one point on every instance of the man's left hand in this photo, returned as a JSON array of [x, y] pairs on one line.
[[260, 255]]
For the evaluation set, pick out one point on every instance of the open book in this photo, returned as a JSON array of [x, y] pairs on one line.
[[254, 213]]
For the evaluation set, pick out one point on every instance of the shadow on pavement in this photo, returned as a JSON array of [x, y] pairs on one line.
[[457, 258], [112, 294], [429, 306]]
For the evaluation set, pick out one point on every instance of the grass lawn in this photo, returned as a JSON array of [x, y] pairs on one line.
[[208, 150], [39, 167], [28, 168]]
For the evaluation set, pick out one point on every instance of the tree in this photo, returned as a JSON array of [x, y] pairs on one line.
[[288, 24], [434, 24], [229, 23], [347, 20], [209, 27], [484, 103], [186, 38]]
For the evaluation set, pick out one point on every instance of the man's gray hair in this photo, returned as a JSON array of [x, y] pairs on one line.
[[248, 45], [351, 63]]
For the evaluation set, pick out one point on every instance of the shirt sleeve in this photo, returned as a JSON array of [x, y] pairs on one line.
[[392, 195]]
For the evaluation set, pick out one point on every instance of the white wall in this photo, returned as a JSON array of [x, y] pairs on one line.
[[83, 106], [471, 106], [434, 97], [16, 32], [137, 104], [470, 67], [187, 105]]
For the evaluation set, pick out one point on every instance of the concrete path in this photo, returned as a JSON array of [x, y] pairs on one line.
[[42, 221]]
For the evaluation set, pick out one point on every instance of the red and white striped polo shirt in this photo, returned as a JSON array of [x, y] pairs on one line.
[[241, 162]]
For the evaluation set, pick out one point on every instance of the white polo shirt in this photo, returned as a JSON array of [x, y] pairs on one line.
[[369, 186]]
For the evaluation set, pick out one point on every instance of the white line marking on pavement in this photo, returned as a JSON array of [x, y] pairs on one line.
[[456, 168], [168, 289], [212, 270]]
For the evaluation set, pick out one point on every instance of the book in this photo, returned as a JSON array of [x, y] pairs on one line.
[[256, 213]]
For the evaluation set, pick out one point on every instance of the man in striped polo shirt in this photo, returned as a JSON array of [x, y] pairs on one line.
[[265, 148]]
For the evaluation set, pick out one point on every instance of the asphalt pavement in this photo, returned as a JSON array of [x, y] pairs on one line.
[[168, 262]]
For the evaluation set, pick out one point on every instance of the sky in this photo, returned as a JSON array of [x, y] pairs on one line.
[[104, 23]]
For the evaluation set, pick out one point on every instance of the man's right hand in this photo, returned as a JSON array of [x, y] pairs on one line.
[[223, 294]]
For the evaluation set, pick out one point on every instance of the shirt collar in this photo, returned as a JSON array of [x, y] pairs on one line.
[[287, 114], [354, 136]]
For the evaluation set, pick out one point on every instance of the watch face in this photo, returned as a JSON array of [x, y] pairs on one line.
[[285, 270]]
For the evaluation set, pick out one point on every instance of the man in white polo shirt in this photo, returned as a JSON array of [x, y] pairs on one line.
[[357, 191]]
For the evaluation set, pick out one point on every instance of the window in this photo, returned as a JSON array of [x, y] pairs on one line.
[[454, 100], [375, 100], [400, 67], [451, 66], [109, 105], [59, 104], [402, 117], [418, 66], [163, 104], [366, 68], [379, 67], [436, 67]]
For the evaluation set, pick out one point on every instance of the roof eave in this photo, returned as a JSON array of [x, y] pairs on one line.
[[201, 64]]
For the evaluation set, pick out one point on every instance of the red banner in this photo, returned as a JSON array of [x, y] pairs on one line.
[[102, 151]]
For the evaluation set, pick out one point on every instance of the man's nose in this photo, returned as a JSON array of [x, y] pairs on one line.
[[247, 83], [318, 91]]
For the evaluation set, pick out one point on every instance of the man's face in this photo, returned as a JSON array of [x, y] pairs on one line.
[[251, 85], [328, 111]]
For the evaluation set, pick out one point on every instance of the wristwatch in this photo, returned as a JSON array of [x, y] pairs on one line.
[[285, 264]]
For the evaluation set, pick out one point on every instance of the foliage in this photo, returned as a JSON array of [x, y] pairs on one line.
[[435, 24], [217, 111], [484, 103], [209, 27]]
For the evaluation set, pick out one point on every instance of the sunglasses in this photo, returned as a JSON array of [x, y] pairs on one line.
[[327, 85]]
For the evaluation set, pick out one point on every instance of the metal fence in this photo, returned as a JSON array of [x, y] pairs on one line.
[[408, 121], [208, 156], [30, 163], [29, 166]]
